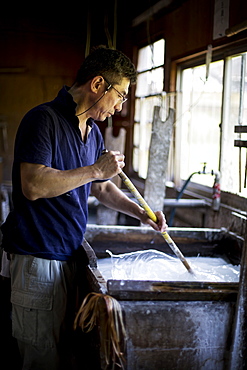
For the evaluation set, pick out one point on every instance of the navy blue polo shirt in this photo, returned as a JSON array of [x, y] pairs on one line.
[[51, 228]]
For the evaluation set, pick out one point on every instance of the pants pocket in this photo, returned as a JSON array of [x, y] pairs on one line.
[[32, 302]]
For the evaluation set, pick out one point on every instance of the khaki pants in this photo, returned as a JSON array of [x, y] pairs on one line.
[[43, 300]]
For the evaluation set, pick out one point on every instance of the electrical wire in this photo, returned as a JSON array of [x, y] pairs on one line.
[[108, 88]]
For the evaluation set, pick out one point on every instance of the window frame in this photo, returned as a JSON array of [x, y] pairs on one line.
[[159, 95], [223, 53]]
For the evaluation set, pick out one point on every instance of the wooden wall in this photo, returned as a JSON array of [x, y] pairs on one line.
[[36, 60]]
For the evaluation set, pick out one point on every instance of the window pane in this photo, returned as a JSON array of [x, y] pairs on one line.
[[233, 160], [136, 136], [135, 159], [159, 53], [137, 109], [151, 56], [145, 135], [146, 107], [235, 80], [200, 123], [149, 87], [245, 93], [149, 83]]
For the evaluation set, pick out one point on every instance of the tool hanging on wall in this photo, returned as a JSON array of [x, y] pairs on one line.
[[208, 60]]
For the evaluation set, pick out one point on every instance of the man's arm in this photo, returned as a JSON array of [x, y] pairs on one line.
[[39, 181], [111, 196]]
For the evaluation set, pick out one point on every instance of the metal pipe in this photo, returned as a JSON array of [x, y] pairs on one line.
[[216, 191]]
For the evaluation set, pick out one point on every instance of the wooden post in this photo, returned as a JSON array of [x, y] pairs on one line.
[[155, 183], [238, 354]]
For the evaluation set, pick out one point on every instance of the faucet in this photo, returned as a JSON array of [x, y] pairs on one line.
[[216, 190]]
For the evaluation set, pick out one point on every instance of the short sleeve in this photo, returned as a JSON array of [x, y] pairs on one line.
[[34, 138]]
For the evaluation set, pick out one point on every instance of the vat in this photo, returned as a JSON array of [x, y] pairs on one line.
[[169, 325]]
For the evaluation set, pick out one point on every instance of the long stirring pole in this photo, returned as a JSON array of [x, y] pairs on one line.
[[153, 217]]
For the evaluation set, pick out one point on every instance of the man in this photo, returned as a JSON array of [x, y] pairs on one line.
[[57, 162]]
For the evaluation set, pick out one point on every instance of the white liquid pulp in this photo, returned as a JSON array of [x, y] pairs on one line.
[[155, 265]]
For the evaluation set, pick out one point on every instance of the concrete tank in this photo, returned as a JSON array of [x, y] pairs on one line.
[[169, 325]]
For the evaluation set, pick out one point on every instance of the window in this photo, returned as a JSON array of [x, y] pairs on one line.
[[233, 159], [210, 108], [149, 88], [200, 122]]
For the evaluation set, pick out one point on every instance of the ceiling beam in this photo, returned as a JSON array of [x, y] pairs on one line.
[[151, 11]]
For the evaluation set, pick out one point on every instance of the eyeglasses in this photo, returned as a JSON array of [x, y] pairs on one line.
[[121, 97]]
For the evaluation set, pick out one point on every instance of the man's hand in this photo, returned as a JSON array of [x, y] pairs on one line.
[[109, 165], [161, 224]]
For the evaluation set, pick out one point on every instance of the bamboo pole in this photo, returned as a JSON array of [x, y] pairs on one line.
[[153, 217]]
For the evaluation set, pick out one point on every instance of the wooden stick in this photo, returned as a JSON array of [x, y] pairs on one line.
[[153, 217], [238, 351]]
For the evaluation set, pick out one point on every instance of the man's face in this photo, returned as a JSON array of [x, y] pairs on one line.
[[112, 101]]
